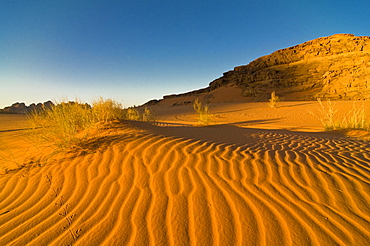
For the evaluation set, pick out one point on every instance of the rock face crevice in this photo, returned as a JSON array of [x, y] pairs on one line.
[[335, 67]]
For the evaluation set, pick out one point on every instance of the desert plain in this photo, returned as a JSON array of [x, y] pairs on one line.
[[255, 176]]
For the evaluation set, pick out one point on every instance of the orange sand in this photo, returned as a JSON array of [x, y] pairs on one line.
[[260, 176]]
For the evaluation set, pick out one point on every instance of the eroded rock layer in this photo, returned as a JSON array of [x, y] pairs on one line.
[[335, 67]]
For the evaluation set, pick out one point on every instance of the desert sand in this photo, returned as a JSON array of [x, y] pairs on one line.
[[257, 176]]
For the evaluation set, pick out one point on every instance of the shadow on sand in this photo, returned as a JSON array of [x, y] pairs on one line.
[[228, 133]]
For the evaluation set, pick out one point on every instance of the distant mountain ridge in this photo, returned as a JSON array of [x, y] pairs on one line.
[[335, 67]]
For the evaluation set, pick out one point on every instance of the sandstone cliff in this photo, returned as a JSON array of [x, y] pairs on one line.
[[335, 67]]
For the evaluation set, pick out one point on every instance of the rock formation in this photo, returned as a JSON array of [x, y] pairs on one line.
[[21, 108], [335, 67]]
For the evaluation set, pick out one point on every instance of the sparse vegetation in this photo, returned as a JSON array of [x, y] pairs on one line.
[[132, 114], [148, 116], [273, 100], [327, 115], [68, 124], [106, 110], [64, 125], [205, 117], [356, 118]]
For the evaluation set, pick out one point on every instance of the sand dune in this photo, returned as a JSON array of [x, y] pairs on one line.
[[175, 184]]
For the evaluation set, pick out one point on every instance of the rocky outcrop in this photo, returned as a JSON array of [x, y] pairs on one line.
[[335, 67], [21, 108]]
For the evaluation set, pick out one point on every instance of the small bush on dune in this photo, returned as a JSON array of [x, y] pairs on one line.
[[62, 124], [327, 115], [132, 114], [205, 117], [148, 116], [107, 110], [355, 119], [273, 100], [68, 124]]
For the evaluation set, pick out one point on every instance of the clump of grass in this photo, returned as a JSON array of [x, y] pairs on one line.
[[148, 116], [132, 114], [68, 124], [202, 110], [355, 119], [106, 110], [273, 100], [62, 124], [327, 115]]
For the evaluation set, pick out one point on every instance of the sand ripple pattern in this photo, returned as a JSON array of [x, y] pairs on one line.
[[148, 189]]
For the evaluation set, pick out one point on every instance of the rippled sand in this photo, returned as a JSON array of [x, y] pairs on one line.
[[259, 177]]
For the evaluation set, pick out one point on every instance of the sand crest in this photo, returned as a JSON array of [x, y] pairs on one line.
[[246, 181]]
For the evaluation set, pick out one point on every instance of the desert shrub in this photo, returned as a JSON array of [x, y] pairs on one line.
[[202, 110], [106, 110], [327, 115], [62, 124], [68, 124], [132, 114], [355, 119], [148, 116], [273, 100]]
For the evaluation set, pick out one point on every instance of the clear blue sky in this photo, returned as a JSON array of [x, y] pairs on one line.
[[137, 50]]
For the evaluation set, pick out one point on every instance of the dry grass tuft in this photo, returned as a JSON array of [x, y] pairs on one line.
[[356, 118], [62, 124], [68, 124], [106, 110], [148, 115], [273, 100], [132, 114], [205, 118]]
